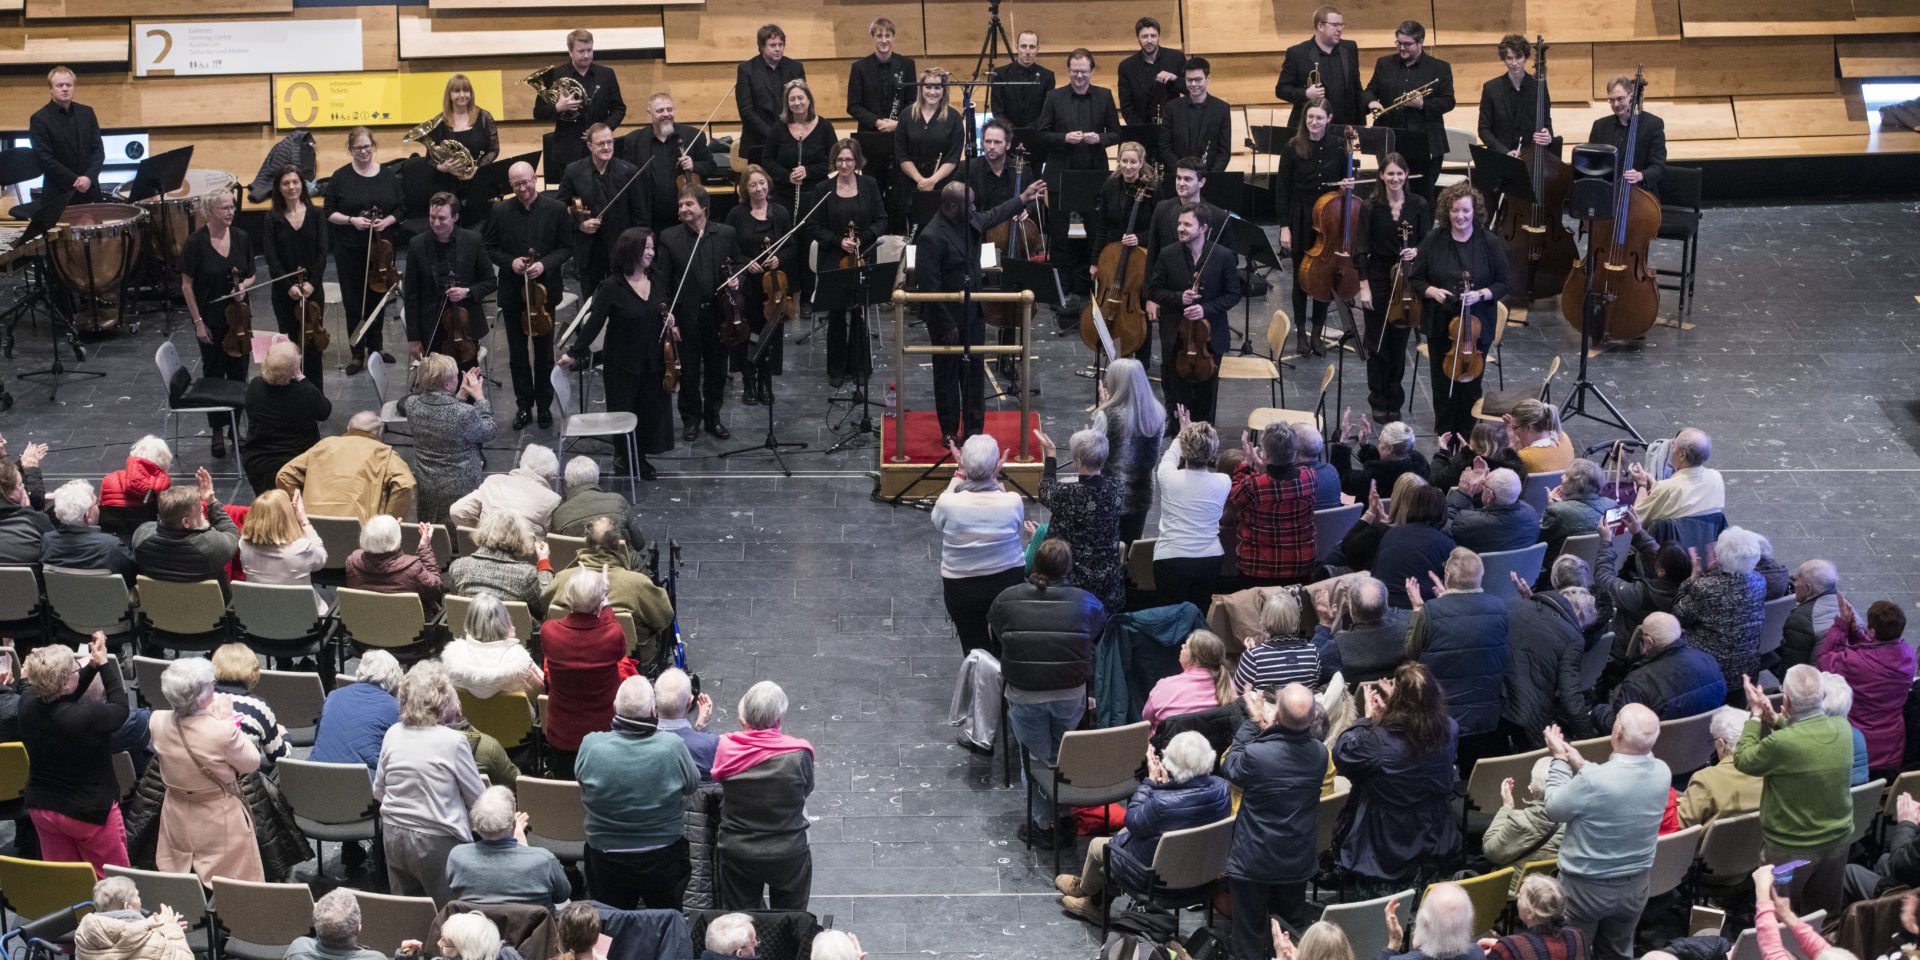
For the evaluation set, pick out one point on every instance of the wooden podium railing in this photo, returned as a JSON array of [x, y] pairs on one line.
[[900, 351]]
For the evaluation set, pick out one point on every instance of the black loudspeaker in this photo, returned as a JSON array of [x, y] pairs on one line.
[[1596, 167]]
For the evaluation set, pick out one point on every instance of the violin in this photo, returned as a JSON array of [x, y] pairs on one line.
[[1403, 308], [1122, 281], [1540, 248], [733, 311], [536, 320], [1195, 363], [1328, 272], [1464, 361], [777, 301], [1614, 287], [686, 178], [856, 259], [313, 321], [670, 357], [456, 334], [239, 321], [580, 212], [1015, 239], [381, 276]]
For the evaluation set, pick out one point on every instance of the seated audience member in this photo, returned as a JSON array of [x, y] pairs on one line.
[[352, 475], [336, 931], [1778, 579], [1192, 496], [1720, 789], [1672, 678], [1804, 760], [1202, 683], [1816, 587], [488, 753], [980, 550], [485, 658], [1382, 462], [1278, 765], [1501, 522], [1721, 609], [499, 866], [236, 670], [634, 783], [193, 539], [1086, 514], [1899, 866], [494, 567], [1542, 906], [1442, 929], [731, 935], [1359, 636], [425, 781], [380, 566], [1521, 832], [628, 589], [1045, 631], [576, 931], [130, 496], [354, 719], [278, 544], [1574, 507], [1546, 642], [77, 542], [1284, 656], [585, 653], [1453, 453], [1309, 451], [118, 929], [1836, 700], [471, 936], [1633, 599], [766, 776], [22, 527], [1878, 665], [1567, 572], [1533, 429], [1772, 908], [672, 699], [585, 501], [284, 414], [526, 490], [836, 945], [1272, 498], [1693, 489], [1415, 545], [1613, 812], [1461, 636], [1400, 758], [1179, 792]]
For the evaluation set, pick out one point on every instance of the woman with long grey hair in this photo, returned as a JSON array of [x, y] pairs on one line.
[[1134, 422]]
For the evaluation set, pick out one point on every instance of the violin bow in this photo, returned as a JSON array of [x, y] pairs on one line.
[[775, 245], [684, 149], [623, 188], [1459, 342], [697, 240], [239, 292]]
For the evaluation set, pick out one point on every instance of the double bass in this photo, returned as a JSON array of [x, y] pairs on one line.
[[1464, 361], [1016, 239], [1540, 248], [1328, 273], [1613, 287], [1122, 281]]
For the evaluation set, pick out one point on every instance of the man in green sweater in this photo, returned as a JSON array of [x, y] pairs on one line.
[[634, 782], [1803, 760]]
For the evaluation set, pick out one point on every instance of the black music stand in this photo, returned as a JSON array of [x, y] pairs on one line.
[[852, 289], [1496, 175], [757, 348], [489, 183], [44, 217], [1249, 241], [1042, 278], [1594, 315], [159, 175]]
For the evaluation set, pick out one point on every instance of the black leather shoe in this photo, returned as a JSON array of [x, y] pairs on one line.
[[219, 445], [388, 357], [545, 418], [750, 390], [691, 433], [355, 366], [647, 472], [719, 430], [948, 440], [521, 418], [835, 380]]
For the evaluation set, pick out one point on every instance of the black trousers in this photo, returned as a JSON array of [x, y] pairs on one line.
[[703, 371], [351, 263], [214, 362], [653, 879], [849, 353], [531, 368], [286, 315], [1385, 348], [1200, 398], [1192, 579], [959, 381], [786, 884], [970, 599], [1253, 902], [1428, 185], [1452, 407]]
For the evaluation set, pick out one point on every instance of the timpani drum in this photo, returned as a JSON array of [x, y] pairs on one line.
[[174, 217], [92, 258]]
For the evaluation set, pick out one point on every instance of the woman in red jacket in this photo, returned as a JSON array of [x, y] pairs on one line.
[[586, 660], [131, 497]]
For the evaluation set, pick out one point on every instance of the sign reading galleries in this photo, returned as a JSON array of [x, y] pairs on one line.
[[245, 46]]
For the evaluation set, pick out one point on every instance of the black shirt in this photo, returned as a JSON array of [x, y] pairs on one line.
[[1393, 76], [677, 256], [67, 741], [482, 139], [1092, 112], [1172, 275], [288, 249], [1303, 180], [991, 189], [1379, 246], [603, 105], [758, 95], [945, 255], [1136, 84], [432, 268], [284, 420], [1107, 222], [353, 195], [512, 229], [595, 189], [1506, 114], [212, 274], [1200, 131], [928, 143], [877, 91], [1163, 228], [753, 235], [1339, 73], [828, 226], [1649, 147], [1440, 263], [784, 153], [67, 143], [657, 181], [1020, 106], [633, 328]]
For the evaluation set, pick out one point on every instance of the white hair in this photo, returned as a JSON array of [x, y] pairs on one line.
[[1130, 396], [491, 816], [488, 620], [380, 668], [834, 945], [729, 932], [540, 460], [1737, 550], [116, 893], [672, 694], [763, 706], [1727, 724], [582, 472], [980, 461], [1638, 727], [152, 448], [1444, 926], [1570, 571], [380, 534], [1804, 690], [336, 918], [1308, 444], [1581, 600], [474, 937], [187, 685], [1820, 576], [1537, 780], [1503, 487], [587, 591], [72, 501], [634, 699], [367, 421], [1089, 448], [1397, 437], [1694, 446], [1281, 615], [1187, 755], [1836, 695]]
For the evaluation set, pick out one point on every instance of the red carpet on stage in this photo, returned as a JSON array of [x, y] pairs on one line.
[[923, 435]]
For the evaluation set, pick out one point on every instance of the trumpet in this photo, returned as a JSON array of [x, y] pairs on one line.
[[448, 149], [1405, 98], [552, 90]]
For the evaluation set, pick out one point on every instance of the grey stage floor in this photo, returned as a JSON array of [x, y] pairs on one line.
[[1801, 364]]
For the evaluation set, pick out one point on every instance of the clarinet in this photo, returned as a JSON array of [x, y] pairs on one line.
[[893, 109]]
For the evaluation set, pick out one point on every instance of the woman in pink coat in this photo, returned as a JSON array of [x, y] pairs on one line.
[[204, 824]]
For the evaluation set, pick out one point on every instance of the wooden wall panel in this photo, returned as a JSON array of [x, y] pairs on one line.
[[1458, 24], [1705, 118], [958, 27], [695, 88], [424, 34], [1720, 67], [1800, 116], [11, 5], [1892, 56], [1267, 26], [146, 9], [121, 100], [724, 31], [39, 44], [1765, 18], [1604, 20], [238, 150], [1885, 16]]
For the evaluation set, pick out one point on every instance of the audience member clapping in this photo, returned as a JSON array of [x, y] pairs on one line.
[[1179, 792], [1693, 489], [1612, 811], [673, 699], [1575, 506], [767, 777], [71, 793], [1187, 555], [1442, 930], [1804, 759], [485, 658], [1086, 514], [1381, 462], [1878, 665], [448, 428], [1501, 521], [193, 539], [1359, 636], [634, 783], [1359, 549], [980, 550], [1278, 765], [1461, 636], [1720, 789], [425, 782], [1400, 757], [1816, 590], [355, 474], [1285, 655], [118, 929], [1272, 502], [495, 565], [526, 490], [355, 718], [1310, 452], [380, 565], [499, 866], [1521, 831], [1722, 606], [1454, 453], [279, 545], [77, 542]]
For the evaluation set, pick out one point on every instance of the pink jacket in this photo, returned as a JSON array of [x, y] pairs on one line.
[[1766, 929], [1880, 674], [1189, 691]]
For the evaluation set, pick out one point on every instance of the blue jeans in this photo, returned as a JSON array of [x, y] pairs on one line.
[[1039, 727]]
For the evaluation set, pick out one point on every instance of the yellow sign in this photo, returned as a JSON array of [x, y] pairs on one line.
[[372, 99]]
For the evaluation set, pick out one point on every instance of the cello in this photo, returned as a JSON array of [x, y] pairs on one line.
[[1328, 273], [1016, 240], [1540, 249], [1464, 362], [1122, 282], [1613, 286]]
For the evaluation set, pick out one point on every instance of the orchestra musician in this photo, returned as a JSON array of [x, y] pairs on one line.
[[1150, 78], [362, 196], [1020, 106], [1336, 62], [627, 305], [1107, 222], [760, 90], [572, 119], [850, 201], [1076, 123], [446, 265], [1199, 124], [1650, 146], [66, 141], [1188, 180], [1404, 72], [1185, 288], [877, 86], [946, 258], [926, 144], [1391, 207], [760, 226], [798, 156], [990, 178], [528, 239], [674, 152], [468, 124], [1460, 243], [693, 256], [295, 237], [592, 189], [1507, 102], [212, 259], [1311, 164]]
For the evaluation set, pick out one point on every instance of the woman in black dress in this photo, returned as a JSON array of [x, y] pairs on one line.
[[361, 197], [296, 236], [1392, 224], [926, 144], [759, 225], [1462, 246], [217, 259], [798, 159], [628, 305], [1310, 161], [848, 221], [461, 120]]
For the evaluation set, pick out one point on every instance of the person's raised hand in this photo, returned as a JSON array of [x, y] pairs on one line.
[[1413, 593], [1909, 905], [703, 706], [32, 455], [1604, 530], [1520, 586], [1763, 881], [1846, 609], [222, 706], [299, 506], [1556, 742], [166, 916], [97, 649], [1439, 585], [1282, 944], [1506, 793], [1346, 416], [1699, 566], [1713, 558], [1030, 527], [204, 482], [1376, 510], [1255, 703], [1639, 475], [1396, 934], [1047, 448], [1758, 705], [1156, 771], [1100, 393], [1634, 526], [1184, 415], [541, 551], [1906, 809]]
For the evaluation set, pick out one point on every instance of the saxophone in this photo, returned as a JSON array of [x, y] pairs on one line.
[[552, 90], [441, 151]]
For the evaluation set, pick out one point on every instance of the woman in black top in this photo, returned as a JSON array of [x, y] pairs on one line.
[[926, 144], [296, 236], [361, 196], [284, 413], [472, 127], [758, 224], [847, 221], [1393, 218], [798, 153], [216, 259], [71, 793], [1108, 222], [1313, 159], [627, 304], [1463, 246]]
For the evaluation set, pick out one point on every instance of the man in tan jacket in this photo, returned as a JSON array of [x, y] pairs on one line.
[[1719, 790], [352, 475]]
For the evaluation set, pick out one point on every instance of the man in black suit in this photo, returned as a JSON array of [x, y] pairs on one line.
[[758, 89], [66, 141], [1149, 79], [1172, 287], [603, 103], [1163, 229], [674, 150], [1199, 124], [1508, 102], [1076, 123], [1337, 62], [594, 182], [446, 265], [696, 267], [1402, 72], [878, 83], [528, 240], [1020, 106], [1649, 147]]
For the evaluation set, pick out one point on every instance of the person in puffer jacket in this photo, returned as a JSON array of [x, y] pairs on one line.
[[130, 496], [1546, 641], [119, 930], [1278, 765], [1461, 636]]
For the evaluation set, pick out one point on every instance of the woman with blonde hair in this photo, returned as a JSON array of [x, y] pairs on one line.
[[236, 670], [464, 122], [216, 260], [800, 146], [450, 419], [926, 144], [205, 826], [1322, 941], [1130, 185], [1202, 683], [1537, 437], [278, 543], [1134, 422], [1187, 557]]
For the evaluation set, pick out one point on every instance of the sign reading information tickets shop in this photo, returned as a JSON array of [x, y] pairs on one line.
[[245, 46], [372, 99]]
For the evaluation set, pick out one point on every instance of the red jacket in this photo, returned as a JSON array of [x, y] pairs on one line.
[[139, 483], [586, 661]]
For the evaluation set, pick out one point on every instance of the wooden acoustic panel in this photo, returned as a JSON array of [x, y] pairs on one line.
[[145, 9], [957, 28], [1765, 18], [1800, 116], [7, 6], [1604, 20], [1703, 118], [238, 150], [726, 31], [1720, 67], [424, 34], [1890, 56], [1886, 16], [1261, 26], [1873, 142], [1458, 24], [121, 100], [39, 44]]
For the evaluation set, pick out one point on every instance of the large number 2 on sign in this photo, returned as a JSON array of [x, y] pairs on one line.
[[166, 40]]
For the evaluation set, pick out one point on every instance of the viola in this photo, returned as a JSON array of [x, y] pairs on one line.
[[733, 311], [1614, 287], [1016, 240], [1195, 363], [536, 320], [1121, 282], [1403, 308], [580, 212], [1328, 273], [313, 321], [456, 339], [777, 301], [670, 356], [1464, 361], [1540, 249], [381, 275], [239, 321]]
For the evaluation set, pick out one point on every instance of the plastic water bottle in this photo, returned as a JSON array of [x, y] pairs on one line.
[[893, 402]]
